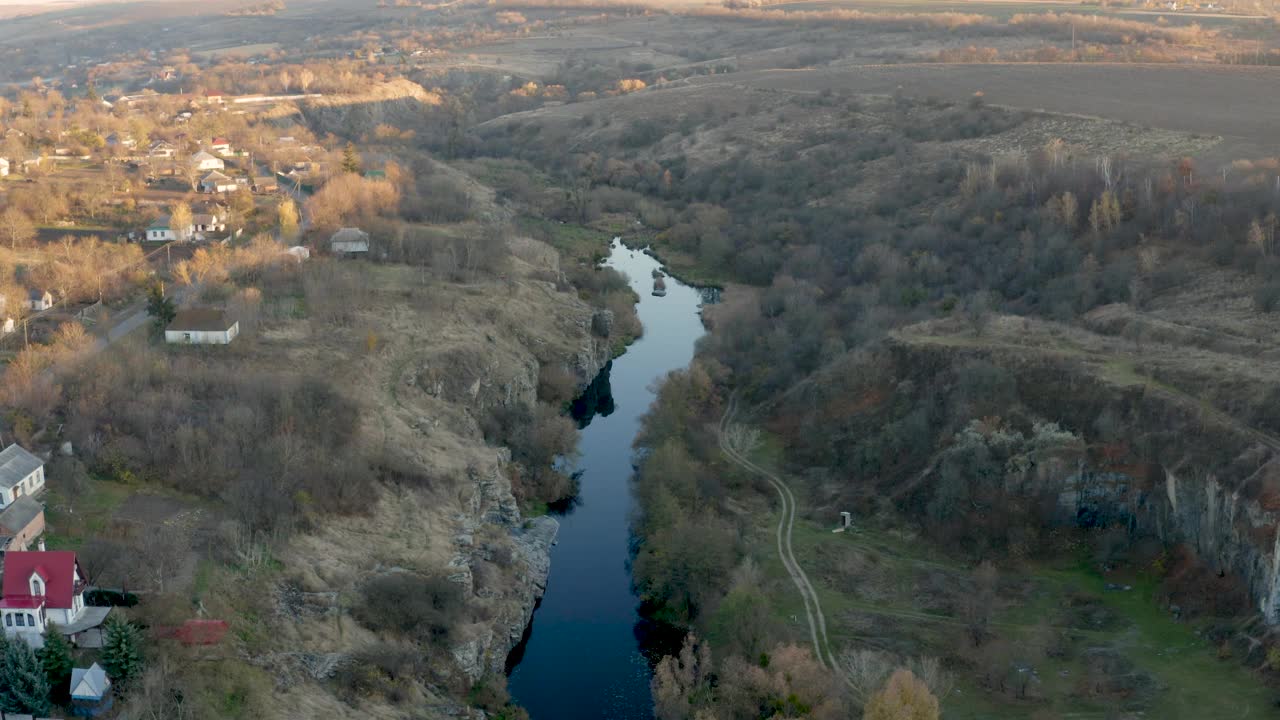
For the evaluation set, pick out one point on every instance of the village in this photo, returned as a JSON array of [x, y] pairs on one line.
[[108, 233]]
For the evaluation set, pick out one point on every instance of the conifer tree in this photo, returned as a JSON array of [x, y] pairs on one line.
[[121, 651], [55, 657], [350, 159], [23, 685]]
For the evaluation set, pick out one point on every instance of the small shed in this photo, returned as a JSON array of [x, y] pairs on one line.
[[350, 242], [265, 184], [90, 691], [201, 326]]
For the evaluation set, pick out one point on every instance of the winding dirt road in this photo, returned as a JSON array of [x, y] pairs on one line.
[[786, 521]]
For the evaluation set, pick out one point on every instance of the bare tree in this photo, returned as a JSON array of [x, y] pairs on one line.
[[16, 228], [305, 78]]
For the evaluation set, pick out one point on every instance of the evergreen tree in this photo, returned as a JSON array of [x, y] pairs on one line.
[[160, 307], [55, 657], [23, 686], [121, 651], [350, 159]]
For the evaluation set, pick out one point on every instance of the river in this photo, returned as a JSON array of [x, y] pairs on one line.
[[582, 659]]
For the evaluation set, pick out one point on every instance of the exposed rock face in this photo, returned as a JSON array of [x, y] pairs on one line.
[[1183, 474]]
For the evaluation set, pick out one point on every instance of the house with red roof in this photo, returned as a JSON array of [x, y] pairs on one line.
[[39, 588], [220, 145]]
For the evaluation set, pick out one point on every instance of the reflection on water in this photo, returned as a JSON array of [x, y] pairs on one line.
[[582, 656]]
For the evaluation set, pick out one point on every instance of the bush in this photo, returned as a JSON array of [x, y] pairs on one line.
[[422, 608]]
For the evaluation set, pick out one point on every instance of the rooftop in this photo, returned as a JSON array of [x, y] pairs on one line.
[[200, 320], [16, 464], [19, 514]]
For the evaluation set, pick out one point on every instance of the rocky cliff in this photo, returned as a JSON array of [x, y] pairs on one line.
[[445, 355], [1160, 458]]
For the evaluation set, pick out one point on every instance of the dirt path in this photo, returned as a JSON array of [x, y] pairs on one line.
[[786, 521]]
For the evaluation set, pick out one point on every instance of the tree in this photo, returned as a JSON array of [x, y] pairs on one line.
[[121, 651], [350, 159], [305, 78], [904, 697], [682, 684], [55, 658], [160, 308], [288, 213], [180, 219], [23, 686], [16, 228]]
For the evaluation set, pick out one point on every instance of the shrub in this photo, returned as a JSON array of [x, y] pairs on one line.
[[422, 608]]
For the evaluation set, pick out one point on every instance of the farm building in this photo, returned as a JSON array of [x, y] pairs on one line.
[[265, 184], [41, 588], [349, 241], [216, 182], [90, 691], [20, 524], [21, 473], [201, 326], [39, 299]]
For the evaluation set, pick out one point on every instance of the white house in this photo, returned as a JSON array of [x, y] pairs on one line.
[[39, 299], [216, 182], [41, 588], [204, 161], [222, 146], [21, 474], [161, 149], [8, 325], [201, 326], [160, 231], [349, 241], [208, 223], [4, 167]]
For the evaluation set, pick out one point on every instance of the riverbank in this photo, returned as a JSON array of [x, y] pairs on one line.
[[582, 659]]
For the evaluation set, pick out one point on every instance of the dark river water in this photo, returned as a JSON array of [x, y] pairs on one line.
[[582, 658]]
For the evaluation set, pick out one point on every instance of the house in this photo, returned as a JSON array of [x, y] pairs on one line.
[[216, 182], [222, 146], [45, 587], [39, 299], [209, 223], [20, 524], [204, 161], [21, 474], [8, 326], [4, 167], [160, 231], [201, 326], [90, 691], [213, 97], [119, 140], [265, 184], [161, 149], [349, 241]]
